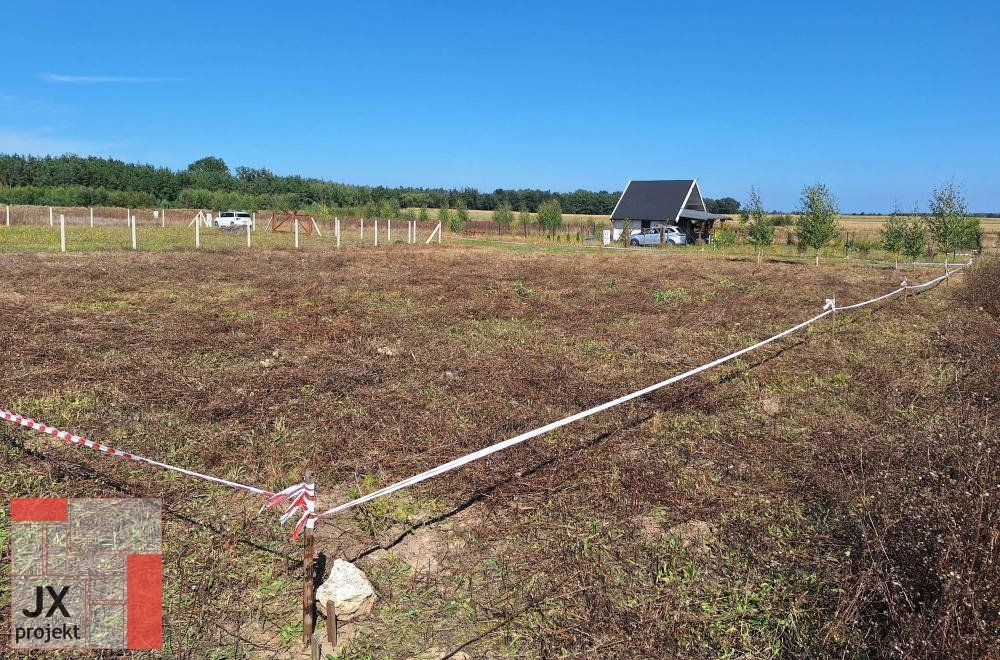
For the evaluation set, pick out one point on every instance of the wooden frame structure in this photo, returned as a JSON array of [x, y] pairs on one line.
[[306, 223]]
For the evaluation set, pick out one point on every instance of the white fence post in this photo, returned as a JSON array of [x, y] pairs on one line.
[[62, 232], [376, 232], [50, 216], [134, 246], [388, 230], [128, 215], [362, 231], [248, 234], [197, 232], [163, 218], [336, 221], [437, 230], [8, 215], [253, 220], [91, 217], [296, 233]]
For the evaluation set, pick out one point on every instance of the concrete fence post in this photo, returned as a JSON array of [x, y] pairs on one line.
[[91, 217], [8, 215], [134, 244], [50, 216], [62, 232]]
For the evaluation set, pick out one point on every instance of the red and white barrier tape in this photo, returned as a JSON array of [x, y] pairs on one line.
[[829, 307], [299, 496]]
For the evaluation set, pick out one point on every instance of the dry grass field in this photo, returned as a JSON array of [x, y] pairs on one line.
[[832, 496]]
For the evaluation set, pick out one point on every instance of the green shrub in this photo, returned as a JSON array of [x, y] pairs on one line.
[[724, 237]]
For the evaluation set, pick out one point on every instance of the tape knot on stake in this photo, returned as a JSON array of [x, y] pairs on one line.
[[298, 497], [904, 284], [831, 303]]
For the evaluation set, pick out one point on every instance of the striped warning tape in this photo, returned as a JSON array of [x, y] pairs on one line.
[[302, 496]]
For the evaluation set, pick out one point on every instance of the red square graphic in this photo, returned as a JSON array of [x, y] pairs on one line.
[[38, 509], [145, 601]]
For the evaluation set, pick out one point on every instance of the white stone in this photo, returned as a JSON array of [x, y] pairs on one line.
[[348, 589]]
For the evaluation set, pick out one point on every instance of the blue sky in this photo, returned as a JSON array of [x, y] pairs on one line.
[[881, 101]]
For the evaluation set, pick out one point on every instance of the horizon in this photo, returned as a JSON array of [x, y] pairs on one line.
[[560, 98]]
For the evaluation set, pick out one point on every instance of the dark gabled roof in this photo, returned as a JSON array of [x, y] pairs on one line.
[[652, 200]]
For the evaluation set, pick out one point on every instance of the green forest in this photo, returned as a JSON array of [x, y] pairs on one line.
[[210, 183]]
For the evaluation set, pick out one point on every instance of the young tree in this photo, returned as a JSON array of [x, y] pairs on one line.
[[456, 220], [626, 234], [550, 215], [950, 226], [817, 224], [444, 217], [503, 215], [894, 233], [913, 241], [759, 227], [462, 213], [524, 219], [423, 216]]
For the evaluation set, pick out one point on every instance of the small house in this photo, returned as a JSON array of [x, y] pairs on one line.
[[677, 202]]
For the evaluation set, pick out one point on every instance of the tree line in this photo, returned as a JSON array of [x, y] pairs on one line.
[[210, 183]]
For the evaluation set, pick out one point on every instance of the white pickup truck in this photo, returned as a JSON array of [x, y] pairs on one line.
[[228, 219]]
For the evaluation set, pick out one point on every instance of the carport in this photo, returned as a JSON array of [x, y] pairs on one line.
[[646, 204]]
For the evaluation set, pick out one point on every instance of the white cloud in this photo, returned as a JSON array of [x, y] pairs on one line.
[[90, 80], [45, 141]]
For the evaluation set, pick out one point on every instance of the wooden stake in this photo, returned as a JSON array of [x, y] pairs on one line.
[[163, 218], [8, 215], [362, 231], [248, 235], [134, 247], [62, 233], [50, 216], [331, 623], [197, 231], [296, 233], [376, 232], [388, 230], [308, 555], [91, 217]]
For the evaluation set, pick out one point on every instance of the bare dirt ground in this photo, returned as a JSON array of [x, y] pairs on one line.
[[833, 496]]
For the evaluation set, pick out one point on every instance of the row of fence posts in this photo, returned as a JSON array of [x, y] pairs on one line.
[[411, 230]]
